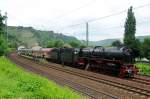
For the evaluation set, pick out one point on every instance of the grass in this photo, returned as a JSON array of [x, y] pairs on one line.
[[18, 84], [144, 68]]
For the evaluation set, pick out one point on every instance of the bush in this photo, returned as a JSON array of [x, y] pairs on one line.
[[74, 44], [144, 68]]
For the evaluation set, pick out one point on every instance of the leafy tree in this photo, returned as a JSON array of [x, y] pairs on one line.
[[117, 43], [74, 44], [130, 28], [3, 44], [129, 35], [51, 43], [83, 46], [136, 48], [66, 45], [59, 43], [13, 41], [2, 25], [146, 48]]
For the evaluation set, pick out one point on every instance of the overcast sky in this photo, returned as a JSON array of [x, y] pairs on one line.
[[69, 16]]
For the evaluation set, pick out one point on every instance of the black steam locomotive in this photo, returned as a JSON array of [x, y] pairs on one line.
[[116, 61]]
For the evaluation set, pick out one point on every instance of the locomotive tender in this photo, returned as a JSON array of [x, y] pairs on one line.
[[116, 61]]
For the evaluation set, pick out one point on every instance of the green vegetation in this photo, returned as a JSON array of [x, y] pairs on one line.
[[55, 43], [146, 48], [129, 33], [59, 43], [130, 28], [117, 43], [25, 35], [74, 44], [3, 46], [108, 42], [3, 43], [17, 84], [144, 68]]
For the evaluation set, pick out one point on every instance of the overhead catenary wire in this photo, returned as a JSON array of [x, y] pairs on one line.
[[115, 27], [99, 18], [74, 10], [103, 17], [121, 26], [114, 14]]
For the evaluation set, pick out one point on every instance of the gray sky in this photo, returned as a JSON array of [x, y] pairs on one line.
[[64, 15]]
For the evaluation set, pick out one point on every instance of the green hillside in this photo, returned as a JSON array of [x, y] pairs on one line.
[[141, 38], [29, 36], [105, 42], [108, 42]]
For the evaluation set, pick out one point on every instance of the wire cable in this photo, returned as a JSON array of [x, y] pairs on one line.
[[76, 9], [114, 14]]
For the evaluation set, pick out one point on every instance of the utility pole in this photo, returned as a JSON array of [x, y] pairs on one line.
[[87, 34], [6, 27]]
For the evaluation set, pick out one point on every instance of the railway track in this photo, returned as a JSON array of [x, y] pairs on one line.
[[143, 81], [90, 92], [142, 77], [125, 86], [135, 89], [112, 83]]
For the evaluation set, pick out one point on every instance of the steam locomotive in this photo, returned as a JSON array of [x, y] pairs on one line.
[[113, 60]]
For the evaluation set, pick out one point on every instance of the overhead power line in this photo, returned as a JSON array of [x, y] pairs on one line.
[[118, 13], [100, 18], [103, 17], [76, 9], [121, 26], [72, 11]]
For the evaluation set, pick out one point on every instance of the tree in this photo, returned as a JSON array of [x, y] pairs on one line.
[[13, 41], [117, 43], [3, 44], [66, 45], [83, 46], [129, 34], [136, 48], [51, 43], [146, 48], [74, 44], [2, 25], [130, 28], [55, 43], [59, 43]]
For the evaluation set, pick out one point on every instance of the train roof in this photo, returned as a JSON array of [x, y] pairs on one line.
[[36, 48], [21, 47], [105, 49], [47, 49]]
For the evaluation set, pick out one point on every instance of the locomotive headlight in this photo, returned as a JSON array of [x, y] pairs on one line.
[[129, 71], [75, 52]]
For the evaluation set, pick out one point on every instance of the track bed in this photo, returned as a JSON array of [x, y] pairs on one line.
[[92, 84]]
